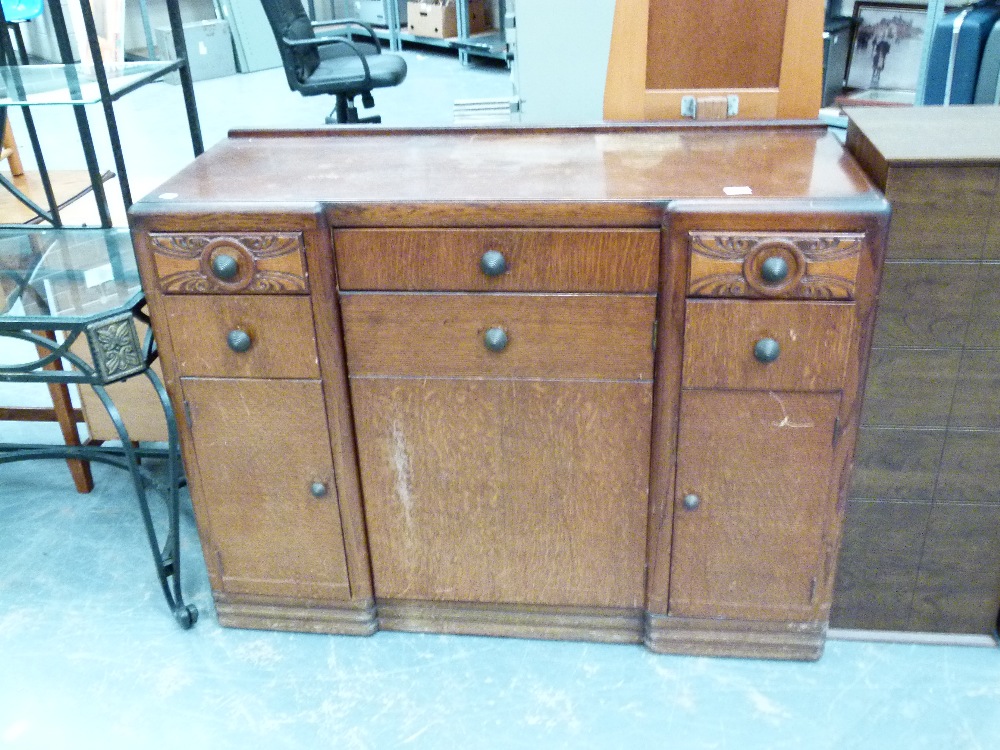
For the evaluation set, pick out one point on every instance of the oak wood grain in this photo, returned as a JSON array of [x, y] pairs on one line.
[[259, 446], [747, 639], [266, 263], [715, 45], [820, 266], [720, 335], [563, 176], [333, 365], [537, 260], [602, 624], [280, 329], [505, 491], [762, 466], [550, 336], [355, 617]]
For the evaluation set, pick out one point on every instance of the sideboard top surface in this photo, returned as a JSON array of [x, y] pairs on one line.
[[510, 165]]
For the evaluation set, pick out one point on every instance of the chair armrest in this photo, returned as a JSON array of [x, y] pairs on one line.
[[293, 43], [346, 22]]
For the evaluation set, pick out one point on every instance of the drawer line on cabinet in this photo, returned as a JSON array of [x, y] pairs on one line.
[[249, 377], [479, 293], [499, 378]]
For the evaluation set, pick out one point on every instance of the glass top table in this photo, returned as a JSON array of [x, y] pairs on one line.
[[30, 85], [56, 287], [79, 282]]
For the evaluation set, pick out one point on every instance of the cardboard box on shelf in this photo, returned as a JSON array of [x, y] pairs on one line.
[[209, 49], [439, 20]]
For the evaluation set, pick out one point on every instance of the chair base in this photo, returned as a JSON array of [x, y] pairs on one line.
[[345, 112]]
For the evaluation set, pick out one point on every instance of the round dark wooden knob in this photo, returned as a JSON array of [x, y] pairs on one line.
[[691, 502], [495, 339], [766, 350], [774, 270], [493, 263], [318, 489], [239, 341], [225, 267]]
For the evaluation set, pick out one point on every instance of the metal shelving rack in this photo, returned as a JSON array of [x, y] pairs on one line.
[[489, 44], [73, 84]]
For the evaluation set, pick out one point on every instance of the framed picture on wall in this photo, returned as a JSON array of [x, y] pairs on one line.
[[886, 50]]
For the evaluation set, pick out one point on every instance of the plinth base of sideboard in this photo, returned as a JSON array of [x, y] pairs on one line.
[[266, 613], [512, 620], [666, 634]]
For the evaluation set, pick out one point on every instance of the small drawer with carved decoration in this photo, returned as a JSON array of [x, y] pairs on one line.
[[774, 265], [230, 263]]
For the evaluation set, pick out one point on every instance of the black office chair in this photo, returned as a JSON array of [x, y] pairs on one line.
[[338, 63]]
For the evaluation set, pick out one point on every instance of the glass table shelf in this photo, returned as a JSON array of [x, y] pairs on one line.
[[30, 85], [62, 277]]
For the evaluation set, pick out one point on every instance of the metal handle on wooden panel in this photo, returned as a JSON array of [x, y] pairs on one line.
[[766, 350], [774, 270], [239, 341], [691, 501], [225, 266], [495, 339], [319, 489], [493, 263]]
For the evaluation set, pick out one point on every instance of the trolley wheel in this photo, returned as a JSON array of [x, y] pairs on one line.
[[186, 616]]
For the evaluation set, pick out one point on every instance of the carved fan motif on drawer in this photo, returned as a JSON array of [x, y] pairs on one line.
[[800, 266], [271, 263]]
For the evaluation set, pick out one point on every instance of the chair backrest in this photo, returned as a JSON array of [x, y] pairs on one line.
[[288, 20]]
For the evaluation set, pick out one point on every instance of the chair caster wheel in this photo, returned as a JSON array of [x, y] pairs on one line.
[[186, 616]]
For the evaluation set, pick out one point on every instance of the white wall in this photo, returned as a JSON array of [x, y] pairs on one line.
[[562, 59]]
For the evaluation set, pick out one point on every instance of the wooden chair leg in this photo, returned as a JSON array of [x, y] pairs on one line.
[[10, 152], [80, 470]]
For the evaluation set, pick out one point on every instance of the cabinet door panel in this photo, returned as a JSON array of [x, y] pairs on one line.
[[761, 466], [505, 491], [260, 446]]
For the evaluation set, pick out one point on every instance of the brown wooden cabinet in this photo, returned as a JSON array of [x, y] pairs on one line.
[[922, 535], [509, 386]]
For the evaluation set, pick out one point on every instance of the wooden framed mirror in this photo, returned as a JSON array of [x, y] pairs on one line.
[[715, 59]]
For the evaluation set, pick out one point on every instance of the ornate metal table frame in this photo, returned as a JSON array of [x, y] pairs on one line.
[[117, 354]]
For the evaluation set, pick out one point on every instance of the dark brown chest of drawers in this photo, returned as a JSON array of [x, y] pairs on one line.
[[597, 383], [922, 543]]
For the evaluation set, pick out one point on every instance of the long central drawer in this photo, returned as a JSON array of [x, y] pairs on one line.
[[533, 260], [547, 335]]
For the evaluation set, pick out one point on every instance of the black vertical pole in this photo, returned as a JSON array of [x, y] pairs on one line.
[[82, 124], [187, 85]]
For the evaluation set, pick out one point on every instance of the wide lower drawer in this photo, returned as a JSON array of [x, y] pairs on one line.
[[544, 335], [793, 346], [529, 260], [242, 336]]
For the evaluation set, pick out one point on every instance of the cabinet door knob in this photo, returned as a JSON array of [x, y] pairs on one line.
[[691, 501], [493, 263], [239, 341], [766, 350], [318, 489], [225, 266], [774, 269], [495, 339]]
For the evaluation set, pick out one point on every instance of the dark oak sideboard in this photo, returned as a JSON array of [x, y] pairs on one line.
[[596, 383]]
